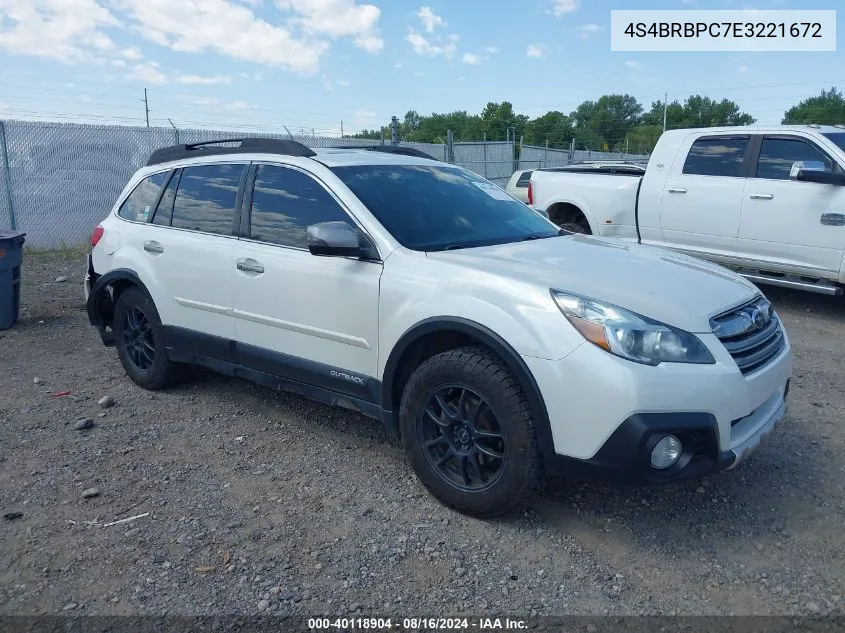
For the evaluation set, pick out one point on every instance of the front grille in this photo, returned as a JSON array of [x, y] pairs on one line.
[[751, 333]]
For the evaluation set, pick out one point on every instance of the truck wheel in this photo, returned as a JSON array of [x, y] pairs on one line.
[[468, 432], [138, 339]]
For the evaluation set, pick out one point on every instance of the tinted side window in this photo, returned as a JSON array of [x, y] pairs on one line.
[[285, 202], [164, 211], [140, 204], [778, 154], [716, 157], [205, 198], [523, 180]]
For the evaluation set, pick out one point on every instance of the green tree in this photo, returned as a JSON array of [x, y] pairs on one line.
[[554, 127], [606, 121], [697, 111], [499, 121], [826, 109], [642, 139]]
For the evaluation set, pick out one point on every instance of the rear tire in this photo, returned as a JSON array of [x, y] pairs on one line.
[[139, 341], [468, 433]]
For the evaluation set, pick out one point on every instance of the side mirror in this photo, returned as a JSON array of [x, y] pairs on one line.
[[814, 171], [333, 239]]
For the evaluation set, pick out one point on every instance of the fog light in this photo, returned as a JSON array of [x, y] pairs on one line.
[[666, 452]]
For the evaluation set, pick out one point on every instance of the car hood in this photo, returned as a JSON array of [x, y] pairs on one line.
[[669, 287]]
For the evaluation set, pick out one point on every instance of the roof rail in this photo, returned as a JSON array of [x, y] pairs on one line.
[[393, 149], [247, 145]]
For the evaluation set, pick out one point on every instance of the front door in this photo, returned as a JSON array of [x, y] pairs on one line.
[[797, 224], [306, 318]]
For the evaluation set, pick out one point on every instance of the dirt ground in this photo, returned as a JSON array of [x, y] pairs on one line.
[[255, 501]]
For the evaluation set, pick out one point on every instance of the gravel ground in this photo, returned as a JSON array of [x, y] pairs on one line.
[[264, 502]]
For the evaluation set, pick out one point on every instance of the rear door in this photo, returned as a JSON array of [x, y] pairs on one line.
[[701, 200], [783, 220], [190, 242]]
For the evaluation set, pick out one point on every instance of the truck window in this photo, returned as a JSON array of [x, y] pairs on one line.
[[716, 157], [524, 178], [778, 154]]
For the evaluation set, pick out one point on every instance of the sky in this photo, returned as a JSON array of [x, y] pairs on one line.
[[327, 65]]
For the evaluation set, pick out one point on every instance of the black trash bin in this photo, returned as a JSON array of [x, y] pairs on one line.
[[11, 257]]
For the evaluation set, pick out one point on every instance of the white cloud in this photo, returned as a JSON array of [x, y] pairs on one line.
[[743, 69], [429, 48], [633, 65], [131, 54], [562, 7], [430, 20], [147, 72], [199, 80], [588, 30], [70, 32], [215, 102], [397, 65], [342, 83], [338, 19], [535, 51], [491, 50], [472, 59], [433, 45]]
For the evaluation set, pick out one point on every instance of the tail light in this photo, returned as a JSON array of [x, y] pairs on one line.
[[96, 235], [530, 193]]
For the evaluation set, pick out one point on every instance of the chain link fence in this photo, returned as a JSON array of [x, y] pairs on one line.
[[58, 180], [534, 157]]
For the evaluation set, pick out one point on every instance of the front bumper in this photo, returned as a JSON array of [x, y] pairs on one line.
[[606, 414]]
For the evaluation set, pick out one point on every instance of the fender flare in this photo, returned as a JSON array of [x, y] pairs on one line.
[[492, 340], [103, 282]]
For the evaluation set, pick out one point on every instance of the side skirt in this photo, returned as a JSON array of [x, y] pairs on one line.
[[315, 381]]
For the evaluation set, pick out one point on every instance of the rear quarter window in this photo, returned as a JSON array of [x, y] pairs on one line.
[[524, 179], [140, 204]]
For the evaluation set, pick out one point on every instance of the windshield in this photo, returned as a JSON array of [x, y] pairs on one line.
[[429, 208], [838, 138]]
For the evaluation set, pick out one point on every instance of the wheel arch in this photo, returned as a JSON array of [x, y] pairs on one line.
[[562, 210], [447, 333], [103, 297]]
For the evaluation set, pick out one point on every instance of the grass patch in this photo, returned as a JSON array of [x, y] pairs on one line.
[[63, 251]]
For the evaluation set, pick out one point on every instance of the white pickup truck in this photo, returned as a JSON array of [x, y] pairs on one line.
[[768, 202]]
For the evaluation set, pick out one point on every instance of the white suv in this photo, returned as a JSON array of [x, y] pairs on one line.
[[495, 345]]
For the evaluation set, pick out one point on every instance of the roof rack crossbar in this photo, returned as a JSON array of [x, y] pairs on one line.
[[247, 145]]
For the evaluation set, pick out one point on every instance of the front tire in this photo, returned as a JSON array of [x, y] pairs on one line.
[[468, 432], [139, 341]]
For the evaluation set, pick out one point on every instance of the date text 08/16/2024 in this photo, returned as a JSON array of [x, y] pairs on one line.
[[416, 624]]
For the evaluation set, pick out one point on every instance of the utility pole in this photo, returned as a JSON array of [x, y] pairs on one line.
[[665, 108], [147, 107], [341, 129]]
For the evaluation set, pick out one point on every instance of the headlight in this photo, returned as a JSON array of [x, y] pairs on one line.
[[630, 335]]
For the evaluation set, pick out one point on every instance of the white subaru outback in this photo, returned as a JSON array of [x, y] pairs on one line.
[[495, 345]]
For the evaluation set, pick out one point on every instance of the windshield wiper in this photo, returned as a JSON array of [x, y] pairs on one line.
[[456, 247], [529, 238]]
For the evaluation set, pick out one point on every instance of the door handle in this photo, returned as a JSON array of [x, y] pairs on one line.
[[250, 266], [677, 190], [152, 246], [762, 196]]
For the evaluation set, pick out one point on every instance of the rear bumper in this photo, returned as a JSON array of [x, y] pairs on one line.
[[90, 276]]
